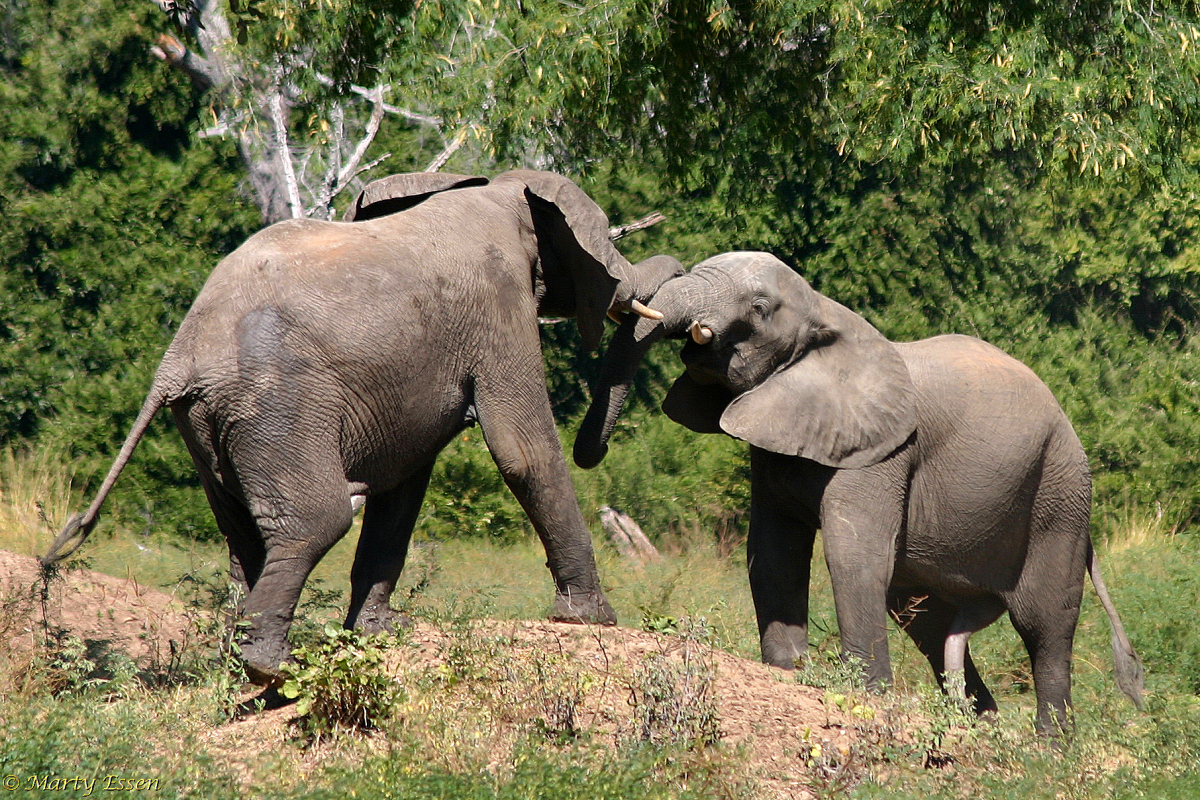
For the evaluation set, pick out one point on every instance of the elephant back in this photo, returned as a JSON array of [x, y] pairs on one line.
[[397, 193]]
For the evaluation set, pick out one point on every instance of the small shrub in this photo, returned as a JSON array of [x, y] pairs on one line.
[[675, 701], [560, 691], [340, 683]]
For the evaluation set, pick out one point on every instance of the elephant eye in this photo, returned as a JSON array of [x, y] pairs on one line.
[[760, 307]]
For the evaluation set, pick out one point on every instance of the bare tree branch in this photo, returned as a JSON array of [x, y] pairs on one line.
[[282, 149], [369, 166], [362, 91], [441, 158], [288, 181], [376, 98], [647, 221], [333, 168]]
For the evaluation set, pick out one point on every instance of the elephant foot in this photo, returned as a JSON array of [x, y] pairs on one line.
[[587, 608], [262, 660], [784, 645], [381, 619]]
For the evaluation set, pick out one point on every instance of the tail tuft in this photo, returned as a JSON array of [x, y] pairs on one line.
[[1128, 670], [1127, 667], [75, 529]]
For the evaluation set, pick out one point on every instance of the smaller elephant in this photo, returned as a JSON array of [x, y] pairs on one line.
[[947, 482]]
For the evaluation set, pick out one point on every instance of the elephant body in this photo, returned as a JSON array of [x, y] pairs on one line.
[[947, 482], [325, 364], [984, 509]]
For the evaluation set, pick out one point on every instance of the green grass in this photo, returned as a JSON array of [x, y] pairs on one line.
[[913, 747]]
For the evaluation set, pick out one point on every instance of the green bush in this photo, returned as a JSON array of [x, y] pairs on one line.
[[341, 683], [467, 495], [671, 481]]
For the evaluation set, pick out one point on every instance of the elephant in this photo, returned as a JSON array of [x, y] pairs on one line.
[[946, 480], [324, 365]]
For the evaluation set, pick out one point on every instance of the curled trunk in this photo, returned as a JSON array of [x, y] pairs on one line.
[[625, 352]]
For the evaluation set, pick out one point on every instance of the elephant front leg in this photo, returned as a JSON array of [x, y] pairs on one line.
[[387, 528], [861, 517], [778, 558], [520, 433]]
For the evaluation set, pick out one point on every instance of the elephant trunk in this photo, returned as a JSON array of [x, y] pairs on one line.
[[622, 359]]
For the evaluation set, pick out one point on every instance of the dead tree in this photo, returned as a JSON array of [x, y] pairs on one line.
[[627, 536]]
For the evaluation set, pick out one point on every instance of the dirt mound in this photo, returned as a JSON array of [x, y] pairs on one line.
[[775, 723], [107, 613]]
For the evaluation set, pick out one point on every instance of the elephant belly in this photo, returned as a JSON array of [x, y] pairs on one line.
[[381, 448], [970, 541]]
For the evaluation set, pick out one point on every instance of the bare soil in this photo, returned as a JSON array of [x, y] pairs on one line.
[[774, 724]]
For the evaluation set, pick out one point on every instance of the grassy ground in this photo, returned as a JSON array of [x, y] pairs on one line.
[[118, 725]]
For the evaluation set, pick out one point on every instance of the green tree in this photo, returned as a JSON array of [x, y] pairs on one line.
[[112, 222]]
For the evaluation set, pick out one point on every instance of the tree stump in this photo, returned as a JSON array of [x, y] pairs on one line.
[[627, 536]]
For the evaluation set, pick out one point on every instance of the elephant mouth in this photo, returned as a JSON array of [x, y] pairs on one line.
[[702, 363]]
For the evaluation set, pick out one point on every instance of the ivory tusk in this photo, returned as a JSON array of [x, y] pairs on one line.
[[644, 311], [701, 334], [615, 315]]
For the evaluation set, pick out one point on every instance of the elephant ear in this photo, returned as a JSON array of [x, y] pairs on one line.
[[696, 406], [399, 192], [580, 265], [848, 402]]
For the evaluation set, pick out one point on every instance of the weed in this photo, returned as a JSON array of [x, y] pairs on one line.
[[318, 607], [674, 700], [653, 622], [836, 768], [559, 691], [828, 667], [341, 683]]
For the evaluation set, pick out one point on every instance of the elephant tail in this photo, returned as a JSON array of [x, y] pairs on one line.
[[76, 530], [1127, 667]]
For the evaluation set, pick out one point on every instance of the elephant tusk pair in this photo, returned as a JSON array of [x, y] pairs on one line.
[[637, 307], [701, 334]]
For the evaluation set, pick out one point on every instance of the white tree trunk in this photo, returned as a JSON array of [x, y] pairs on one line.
[[259, 123]]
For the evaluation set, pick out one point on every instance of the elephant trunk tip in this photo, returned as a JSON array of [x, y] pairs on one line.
[[587, 457]]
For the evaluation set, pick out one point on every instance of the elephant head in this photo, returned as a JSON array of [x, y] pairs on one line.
[[770, 361], [580, 272]]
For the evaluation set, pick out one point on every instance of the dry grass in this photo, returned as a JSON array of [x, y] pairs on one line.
[[35, 495]]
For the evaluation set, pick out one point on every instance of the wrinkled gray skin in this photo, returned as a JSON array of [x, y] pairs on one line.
[[948, 484], [325, 363]]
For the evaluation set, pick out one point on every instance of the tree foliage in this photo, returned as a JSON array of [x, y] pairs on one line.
[[112, 221]]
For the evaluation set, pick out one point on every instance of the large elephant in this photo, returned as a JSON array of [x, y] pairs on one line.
[[328, 363], [947, 482]]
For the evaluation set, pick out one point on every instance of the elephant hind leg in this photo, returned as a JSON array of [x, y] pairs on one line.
[[297, 538], [301, 507], [1048, 635], [941, 632], [1044, 606], [247, 550], [382, 549]]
